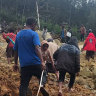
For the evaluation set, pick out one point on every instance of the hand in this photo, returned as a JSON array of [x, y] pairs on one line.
[[82, 50], [43, 66], [77, 74], [54, 68], [15, 68]]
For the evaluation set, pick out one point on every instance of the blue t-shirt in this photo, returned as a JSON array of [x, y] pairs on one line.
[[25, 43], [62, 34]]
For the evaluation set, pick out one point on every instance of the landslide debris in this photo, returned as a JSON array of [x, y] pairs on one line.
[[9, 81]]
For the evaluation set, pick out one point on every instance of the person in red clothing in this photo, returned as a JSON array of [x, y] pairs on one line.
[[9, 49], [90, 45]]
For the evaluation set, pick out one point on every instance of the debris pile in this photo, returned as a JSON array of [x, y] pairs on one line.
[[9, 80]]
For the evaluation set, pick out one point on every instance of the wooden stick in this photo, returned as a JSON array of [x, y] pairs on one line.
[[40, 83]]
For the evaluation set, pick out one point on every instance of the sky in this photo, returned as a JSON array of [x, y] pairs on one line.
[[89, 0]]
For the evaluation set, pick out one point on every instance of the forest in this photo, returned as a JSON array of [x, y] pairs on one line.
[[53, 13]]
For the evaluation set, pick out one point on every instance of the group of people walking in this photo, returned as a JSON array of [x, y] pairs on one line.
[[48, 56]]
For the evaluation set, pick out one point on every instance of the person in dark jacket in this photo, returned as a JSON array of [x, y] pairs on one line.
[[67, 58]]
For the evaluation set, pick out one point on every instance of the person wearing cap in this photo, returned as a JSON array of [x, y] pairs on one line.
[[68, 61], [27, 47], [48, 59], [52, 46], [90, 45]]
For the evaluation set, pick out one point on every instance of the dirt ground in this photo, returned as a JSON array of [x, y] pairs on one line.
[[9, 80]]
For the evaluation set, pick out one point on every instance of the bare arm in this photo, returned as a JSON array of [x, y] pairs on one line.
[[84, 45], [38, 51], [51, 59]]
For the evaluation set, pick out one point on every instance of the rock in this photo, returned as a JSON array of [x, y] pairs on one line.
[[50, 83], [91, 85], [94, 81], [94, 72], [94, 91], [85, 72], [81, 81], [82, 64], [10, 81], [86, 86]]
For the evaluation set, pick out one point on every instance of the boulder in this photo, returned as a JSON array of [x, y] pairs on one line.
[[81, 81], [94, 72], [85, 72]]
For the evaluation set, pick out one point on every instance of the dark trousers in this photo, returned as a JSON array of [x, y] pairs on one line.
[[82, 37], [90, 54], [44, 78], [67, 39], [63, 40], [9, 52], [26, 74], [62, 77]]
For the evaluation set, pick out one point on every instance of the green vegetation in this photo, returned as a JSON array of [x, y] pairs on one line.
[[53, 13]]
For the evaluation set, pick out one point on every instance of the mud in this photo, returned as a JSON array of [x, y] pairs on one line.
[[10, 81]]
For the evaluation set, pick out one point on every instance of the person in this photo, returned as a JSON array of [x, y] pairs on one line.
[[44, 33], [90, 45], [69, 34], [63, 34], [83, 32], [52, 48], [9, 49], [18, 30], [48, 59], [27, 47], [68, 60]]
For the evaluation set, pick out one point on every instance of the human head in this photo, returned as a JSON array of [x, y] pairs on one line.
[[31, 22], [44, 45], [82, 25], [63, 26], [2, 31], [73, 41], [69, 27], [11, 30], [18, 30], [91, 35], [45, 27], [90, 30]]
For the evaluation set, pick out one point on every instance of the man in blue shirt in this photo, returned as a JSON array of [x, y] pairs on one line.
[[27, 47], [63, 34]]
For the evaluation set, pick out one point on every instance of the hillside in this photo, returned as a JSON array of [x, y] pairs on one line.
[[9, 80]]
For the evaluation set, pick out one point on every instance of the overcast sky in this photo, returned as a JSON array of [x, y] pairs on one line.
[[88, 0]]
